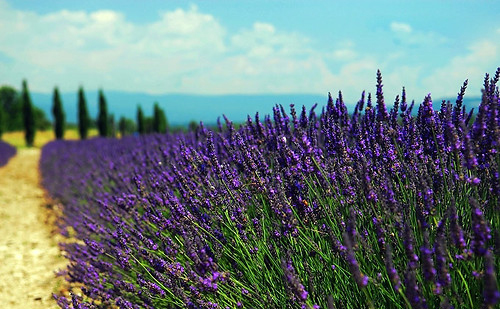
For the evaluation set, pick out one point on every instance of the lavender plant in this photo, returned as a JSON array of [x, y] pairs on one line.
[[371, 209], [7, 151]]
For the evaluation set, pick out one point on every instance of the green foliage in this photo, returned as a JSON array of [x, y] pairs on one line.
[[28, 115], [126, 126], [160, 124], [148, 125], [83, 115], [140, 120], [12, 104], [102, 118], [41, 121], [58, 112], [10, 101], [111, 129], [193, 126]]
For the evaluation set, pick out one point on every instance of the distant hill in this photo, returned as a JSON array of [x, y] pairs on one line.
[[469, 102], [179, 108], [183, 108]]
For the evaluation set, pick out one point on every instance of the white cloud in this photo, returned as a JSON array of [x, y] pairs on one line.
[[343, 51], [405, 76], [263, 40], [264, 28], [184, 50], [403, 35], [77, 17], [187, 50], [401, 27], [105, 17], [180, 31], [185, 22], [72, 47], [481, 57], [344, 54]]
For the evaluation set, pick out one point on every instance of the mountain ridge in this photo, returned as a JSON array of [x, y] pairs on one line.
[[183, 108], [180, 108]]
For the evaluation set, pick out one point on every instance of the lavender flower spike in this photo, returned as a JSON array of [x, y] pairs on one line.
[[293, 281], [480, 229], [360, 278], [391, 270], [490, 292], [427, 263], [413, 291]]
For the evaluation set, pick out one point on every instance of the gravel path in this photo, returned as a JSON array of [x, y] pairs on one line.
[[29, 255]]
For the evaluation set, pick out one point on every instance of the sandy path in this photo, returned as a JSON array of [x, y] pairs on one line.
[[29, 255]]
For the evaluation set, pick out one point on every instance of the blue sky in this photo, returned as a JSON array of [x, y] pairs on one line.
[[250, 47]]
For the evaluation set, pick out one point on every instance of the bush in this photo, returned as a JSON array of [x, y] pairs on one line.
[[28, 115]]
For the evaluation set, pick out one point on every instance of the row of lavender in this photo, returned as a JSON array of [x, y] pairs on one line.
[[7, 151], [376, 209]]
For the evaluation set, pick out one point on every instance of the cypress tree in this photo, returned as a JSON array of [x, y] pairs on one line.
[[159, 120], [57, 111], [156, 118], [102, 118], [140, 120], [111, 125], [83, 115], [164, 121], [28, 116]]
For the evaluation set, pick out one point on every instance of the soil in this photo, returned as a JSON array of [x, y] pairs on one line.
[[29, 252]]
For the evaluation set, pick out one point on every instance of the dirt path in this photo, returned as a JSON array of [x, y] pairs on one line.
[[29, 255]]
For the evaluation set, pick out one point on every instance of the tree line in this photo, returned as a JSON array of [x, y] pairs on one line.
[[17, 112]]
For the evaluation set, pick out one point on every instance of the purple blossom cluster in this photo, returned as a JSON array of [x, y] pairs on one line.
[[7, 151], [301, 209]]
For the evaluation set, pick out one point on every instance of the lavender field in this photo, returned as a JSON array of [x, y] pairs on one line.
[[380, 207]]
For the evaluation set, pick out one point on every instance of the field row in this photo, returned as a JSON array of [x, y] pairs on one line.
[[300, 209]]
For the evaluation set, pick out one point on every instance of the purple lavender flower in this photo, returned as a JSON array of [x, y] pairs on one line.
[[457, 111], [360, 279], [351, 224], [381, 109], [412, 290], [427, 263], [409, 249], [490, 293], [293, 281], [161, 216], [457, 234], [480, 229], [468, 150], [380, 232], [7, 151], [442, 266], [391, 270]]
